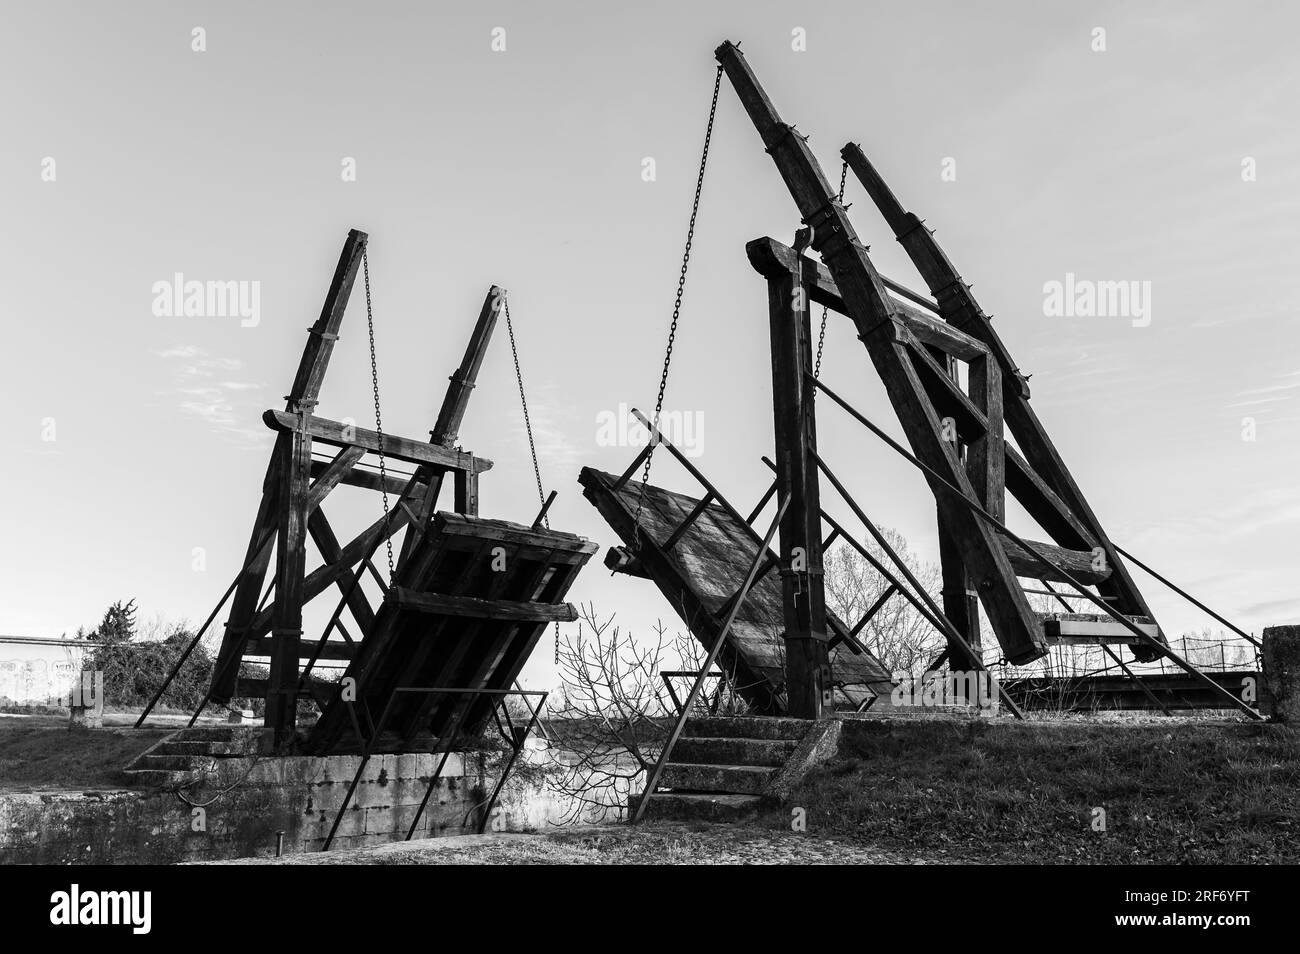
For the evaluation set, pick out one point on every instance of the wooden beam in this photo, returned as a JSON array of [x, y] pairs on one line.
[[771, 259], [808, 676], [367, 479], [882, 329], [333, 648], [440, 604], [1042, 503], [1077, 563], [332, 474], [395, 447]]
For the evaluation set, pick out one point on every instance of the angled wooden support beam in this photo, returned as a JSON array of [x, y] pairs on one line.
[[332, 474], [322, 534], [1042, 503], [440, 604], [328, 574], [958, 306], [771, 259], [890, 590], [686, 524], [395, 447], [881, 328], [456, 400], [947, 396]]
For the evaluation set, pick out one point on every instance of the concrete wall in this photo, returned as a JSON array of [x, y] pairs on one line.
[[37, 671], [299, 796]]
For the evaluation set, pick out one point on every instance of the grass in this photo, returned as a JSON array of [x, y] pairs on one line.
[[38, 757], [1171, 793]]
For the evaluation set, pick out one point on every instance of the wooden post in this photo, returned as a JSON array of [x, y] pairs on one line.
[[807, 657], [293, 450]]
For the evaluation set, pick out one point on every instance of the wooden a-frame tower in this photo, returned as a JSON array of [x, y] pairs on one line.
[[956, 434], [467, 599]]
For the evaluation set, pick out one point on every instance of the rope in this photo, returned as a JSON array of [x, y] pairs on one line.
[[379, 424], [677, 308], [821, 337]]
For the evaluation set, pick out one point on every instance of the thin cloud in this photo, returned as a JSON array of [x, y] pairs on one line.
[[206, 389]]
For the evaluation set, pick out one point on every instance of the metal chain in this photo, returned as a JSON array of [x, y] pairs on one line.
[[528, 424], [677, 308], [821, 337], [379, 423], [528, 428]]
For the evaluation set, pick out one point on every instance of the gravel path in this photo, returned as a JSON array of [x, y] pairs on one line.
[[650, 843]]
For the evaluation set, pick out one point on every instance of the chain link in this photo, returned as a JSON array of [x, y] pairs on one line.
[[379, 424], [677, 309], [821, 336], [528, 428]]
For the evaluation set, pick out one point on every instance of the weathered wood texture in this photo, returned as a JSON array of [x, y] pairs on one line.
[[958, 306], [705, 568], [879, 320], [468, 607]]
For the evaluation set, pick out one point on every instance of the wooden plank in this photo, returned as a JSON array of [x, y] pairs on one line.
[[878, 319], [771, 259], [470, 607], [395, 447]]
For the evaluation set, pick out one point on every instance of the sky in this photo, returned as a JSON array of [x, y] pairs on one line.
[[135, 446]]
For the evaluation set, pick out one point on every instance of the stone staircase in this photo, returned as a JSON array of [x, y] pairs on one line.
[[724, 767], [186, 755]]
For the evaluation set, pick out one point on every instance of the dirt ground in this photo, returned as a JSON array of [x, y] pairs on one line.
[[649, 843]]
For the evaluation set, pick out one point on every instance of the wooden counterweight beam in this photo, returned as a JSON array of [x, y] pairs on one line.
[[882, 329]]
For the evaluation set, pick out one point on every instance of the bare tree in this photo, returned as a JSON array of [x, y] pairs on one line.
[[615, 711], [899, 636]]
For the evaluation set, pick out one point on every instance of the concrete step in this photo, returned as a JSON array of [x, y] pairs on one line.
[[729, 779], [169, 763], [746, 727], [699, 806], [729, 751], [212, 733]]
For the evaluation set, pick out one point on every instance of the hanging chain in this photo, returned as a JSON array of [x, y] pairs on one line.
[[532, 444], [528, 424], [821, 336], [677, 308], [379, 424]]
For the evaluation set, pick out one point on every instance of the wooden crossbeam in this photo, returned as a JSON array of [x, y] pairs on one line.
[[440, 604], [771, 259], [398, 448]]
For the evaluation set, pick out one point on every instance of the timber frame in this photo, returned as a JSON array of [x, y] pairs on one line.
[[466, 600], [958, 434]]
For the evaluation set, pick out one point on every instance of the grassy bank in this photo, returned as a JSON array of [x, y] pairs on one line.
[[35, 757], [1171, 793]]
